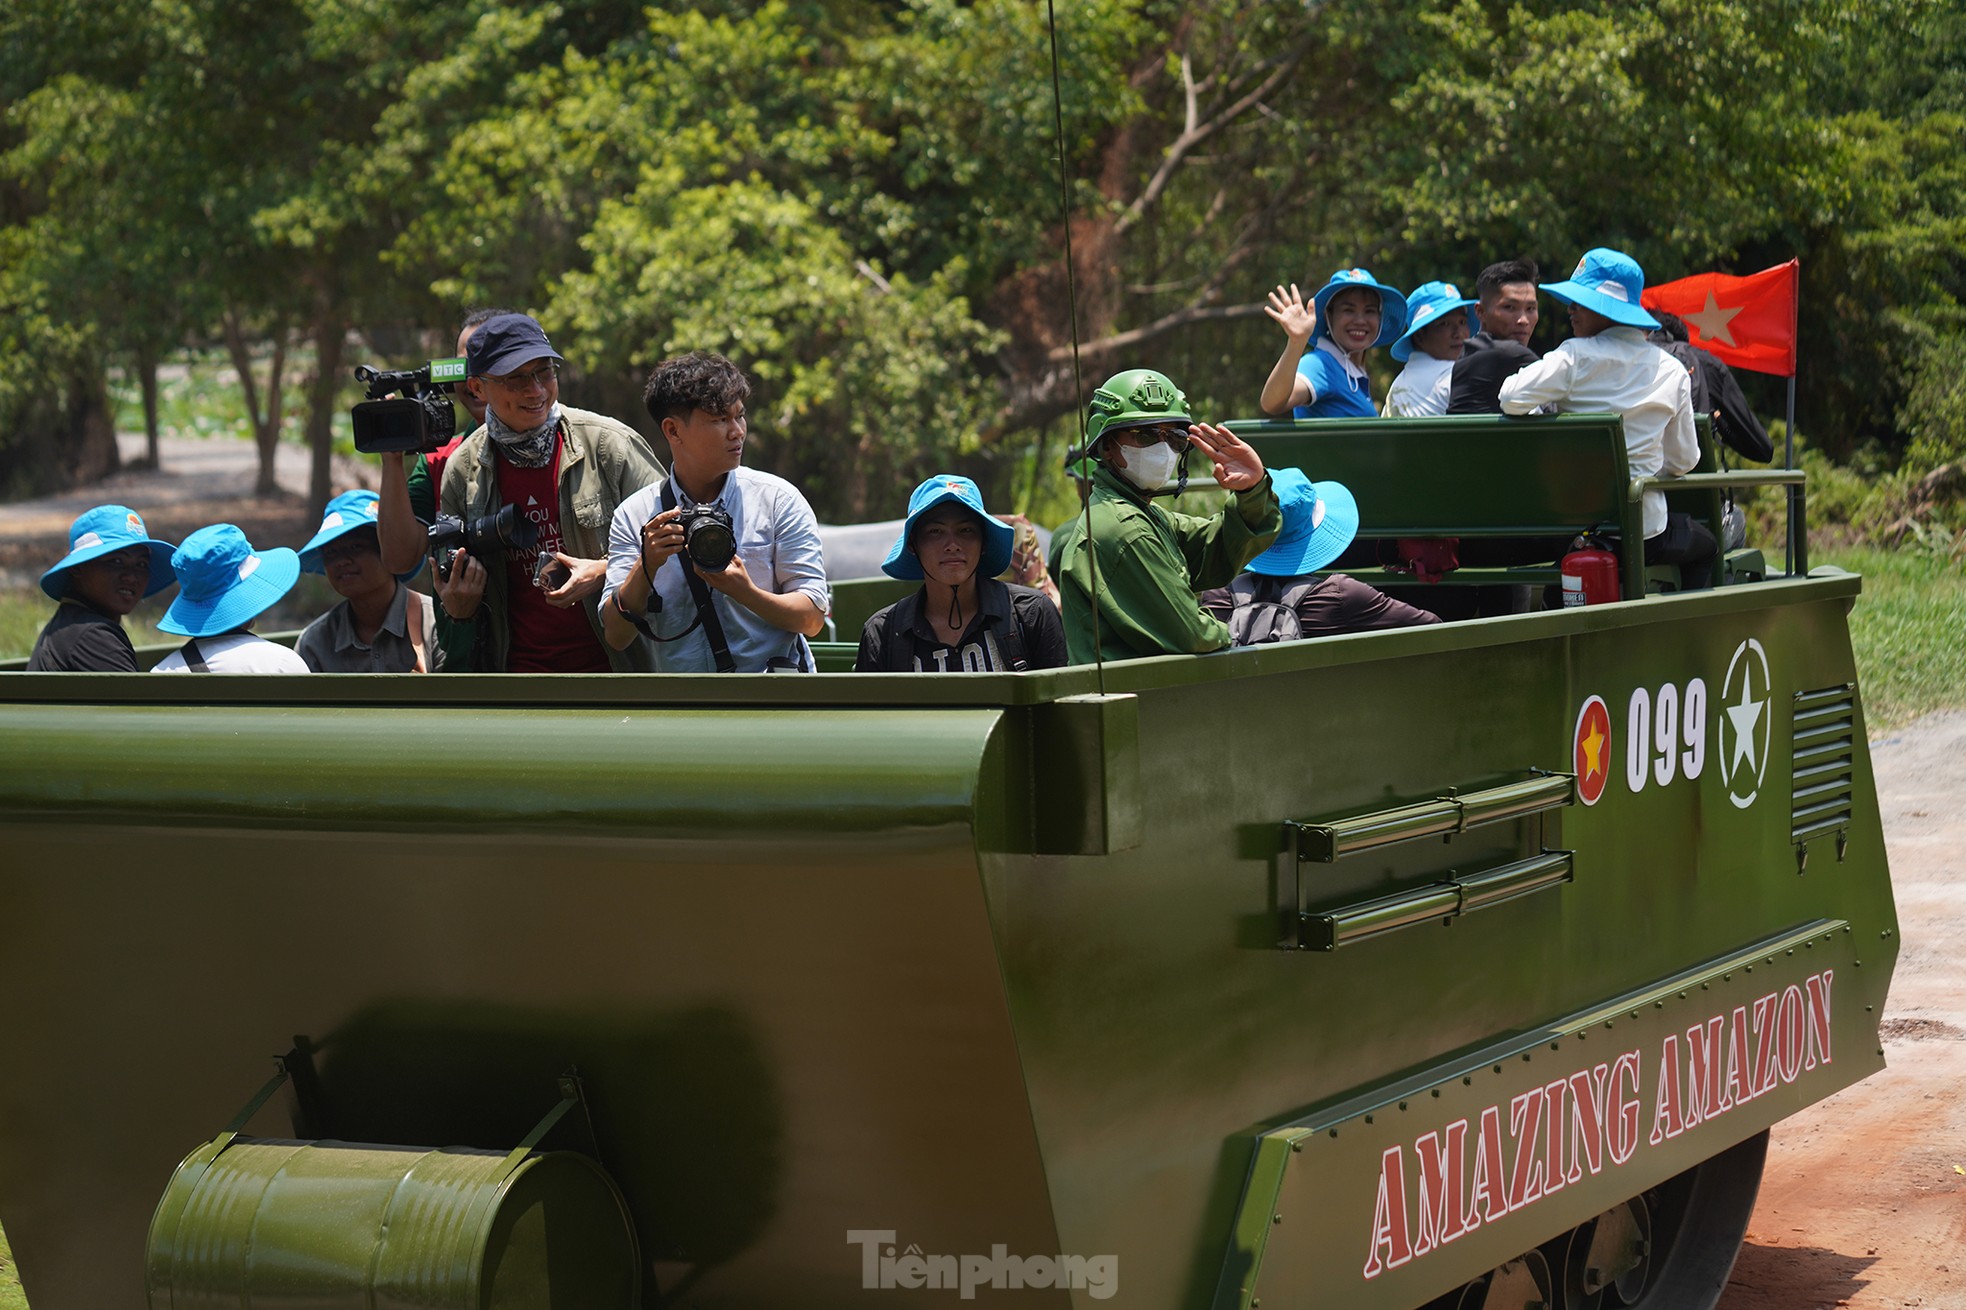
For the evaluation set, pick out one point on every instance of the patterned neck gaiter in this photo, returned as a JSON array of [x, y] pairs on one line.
[[528, 450]]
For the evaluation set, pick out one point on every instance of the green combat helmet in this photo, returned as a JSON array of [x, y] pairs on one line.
[[1128, 399]]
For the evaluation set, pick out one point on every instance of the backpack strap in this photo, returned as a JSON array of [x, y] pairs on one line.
[[194, 659], [1010, 642]]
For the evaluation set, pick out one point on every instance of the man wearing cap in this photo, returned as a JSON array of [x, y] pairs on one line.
[[1505, 305], [1319, 521], [1129, 579], [962, 619], [565, 471], [1438, 324], [381, 625], [1610, 365], [410, 487], [223, 585], [112, 563], [751, 612]]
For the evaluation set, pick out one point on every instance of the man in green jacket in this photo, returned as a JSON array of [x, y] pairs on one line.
[[1130, 591]]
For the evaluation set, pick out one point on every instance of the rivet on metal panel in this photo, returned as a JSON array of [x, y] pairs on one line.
[[1556, 1046], [1498, 1068], [1402, 1105], [1297, 1147], [1368, 1118], [1607, 1023], [1858, 963], [1436, 1092], [1727, 977], [1525, 1057], [1870, 1009], [1658, 1005], [1276, 1218], [1334, 1132], [1791, 950], [1750, 968], [1467, 1082]]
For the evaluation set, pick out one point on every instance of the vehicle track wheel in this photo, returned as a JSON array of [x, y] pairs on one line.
[[1671, 1248], [1608, 1259], [1521, 1284]]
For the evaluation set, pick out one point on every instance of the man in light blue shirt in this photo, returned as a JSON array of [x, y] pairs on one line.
[[707, 609]]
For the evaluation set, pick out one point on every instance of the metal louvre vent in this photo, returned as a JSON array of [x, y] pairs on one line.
[[1823, 742]]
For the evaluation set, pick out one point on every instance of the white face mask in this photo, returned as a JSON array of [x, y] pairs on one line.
[[1149, 468]]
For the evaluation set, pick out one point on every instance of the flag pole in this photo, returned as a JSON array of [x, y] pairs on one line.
[[1798, 534]]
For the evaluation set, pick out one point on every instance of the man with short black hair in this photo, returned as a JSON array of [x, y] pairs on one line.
[[1506, 305], [751, 613], [565, 471]]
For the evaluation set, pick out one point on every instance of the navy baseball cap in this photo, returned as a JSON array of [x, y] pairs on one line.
[[506, 342]]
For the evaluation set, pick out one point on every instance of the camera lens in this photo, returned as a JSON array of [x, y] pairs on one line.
[[709, 542]]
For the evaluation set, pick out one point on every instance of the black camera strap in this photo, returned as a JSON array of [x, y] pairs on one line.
[[699, 591]]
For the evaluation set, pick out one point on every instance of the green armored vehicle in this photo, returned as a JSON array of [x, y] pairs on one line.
[[1461, 966]]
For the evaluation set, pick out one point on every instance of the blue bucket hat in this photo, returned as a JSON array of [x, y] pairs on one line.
[[1319, 521], [1429, 303], [998, 537], [1392, 304], [223, 582], [505, 341], [105, 530], [1609, 282], [349, 512]]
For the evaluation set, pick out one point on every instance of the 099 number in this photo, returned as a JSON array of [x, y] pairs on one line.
[[1666, 735]]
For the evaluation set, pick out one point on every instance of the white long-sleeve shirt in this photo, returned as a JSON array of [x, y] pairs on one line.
[[1620, 372]]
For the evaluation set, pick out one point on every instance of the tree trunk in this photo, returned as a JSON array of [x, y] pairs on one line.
[[91, 444], [147, 376], [266, 424], [330, 336]]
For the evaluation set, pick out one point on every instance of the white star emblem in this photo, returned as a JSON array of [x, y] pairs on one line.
[[1744, 760], [1713, 322], [1745, 716]]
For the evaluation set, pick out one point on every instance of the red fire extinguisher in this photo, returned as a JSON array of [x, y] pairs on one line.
[[1590, 573]]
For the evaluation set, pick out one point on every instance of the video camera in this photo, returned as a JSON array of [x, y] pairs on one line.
[[487, 538], [418, 422]]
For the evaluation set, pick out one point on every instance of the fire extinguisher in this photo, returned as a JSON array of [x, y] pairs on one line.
[[1590, 573]]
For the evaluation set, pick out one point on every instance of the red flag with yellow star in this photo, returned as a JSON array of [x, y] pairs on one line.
[[1747, 321]]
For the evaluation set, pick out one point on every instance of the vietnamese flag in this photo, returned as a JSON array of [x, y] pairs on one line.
[[1747, 321]]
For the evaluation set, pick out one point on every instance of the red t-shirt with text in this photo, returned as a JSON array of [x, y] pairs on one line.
[[545, 639]]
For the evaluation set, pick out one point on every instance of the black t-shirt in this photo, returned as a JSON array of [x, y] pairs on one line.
[[79, 639], [900, 639], [1476, 386]]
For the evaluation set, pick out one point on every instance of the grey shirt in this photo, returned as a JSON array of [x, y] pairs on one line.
[[329, 644]]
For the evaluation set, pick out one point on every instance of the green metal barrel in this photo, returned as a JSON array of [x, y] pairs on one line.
[[323, 1225]]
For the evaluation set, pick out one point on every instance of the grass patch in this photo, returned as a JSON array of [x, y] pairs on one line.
[[1906, 631], [11, 1296]]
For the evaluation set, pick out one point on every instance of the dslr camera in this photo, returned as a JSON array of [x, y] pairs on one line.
[[490, 537], [708, 538], [418, 421]]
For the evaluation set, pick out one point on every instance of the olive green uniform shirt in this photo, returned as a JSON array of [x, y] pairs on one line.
[[1150, 565]]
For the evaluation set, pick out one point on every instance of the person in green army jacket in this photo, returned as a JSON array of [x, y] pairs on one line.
[[1133, 594]]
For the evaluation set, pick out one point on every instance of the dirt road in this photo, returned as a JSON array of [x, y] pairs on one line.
[[1864, 1201], [203, 480]]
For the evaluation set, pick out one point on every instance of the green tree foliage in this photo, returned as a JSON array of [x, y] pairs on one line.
[[861, 201]]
